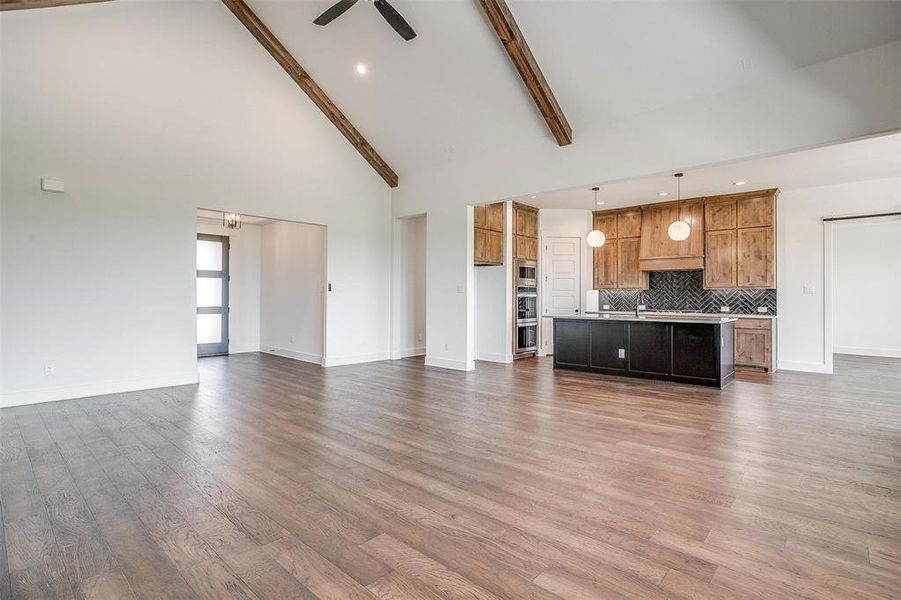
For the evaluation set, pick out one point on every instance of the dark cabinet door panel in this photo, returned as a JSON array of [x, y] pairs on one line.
[[698, 356], [608, 341], [571, 343], [649, 348]]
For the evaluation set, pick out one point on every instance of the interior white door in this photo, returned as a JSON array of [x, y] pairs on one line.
[[562, 285]]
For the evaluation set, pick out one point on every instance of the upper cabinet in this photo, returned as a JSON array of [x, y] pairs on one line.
[[525, 232], [616, 262], [488, 238], [741, 249], [658, 251]]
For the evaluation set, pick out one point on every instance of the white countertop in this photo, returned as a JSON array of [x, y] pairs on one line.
[[651, 317], [657, 313]]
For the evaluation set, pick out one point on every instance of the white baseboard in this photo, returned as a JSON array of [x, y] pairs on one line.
[[806, 367], [242, 348], [449, 363], [493, 357], [407, 352], [96, 388], [294, 354], [881, 352], [337, 361]]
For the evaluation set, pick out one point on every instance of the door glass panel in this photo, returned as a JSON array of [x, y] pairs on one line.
[[209, 329], [209, 255], [209, 291]]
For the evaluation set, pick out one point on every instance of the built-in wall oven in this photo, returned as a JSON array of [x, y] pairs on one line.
[[526, 290], [526, 273]]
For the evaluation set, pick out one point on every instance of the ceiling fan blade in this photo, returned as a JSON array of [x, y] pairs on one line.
[[334, 12], [394, 19]]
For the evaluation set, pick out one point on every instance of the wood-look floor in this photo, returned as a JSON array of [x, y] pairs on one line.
[[279, 479]]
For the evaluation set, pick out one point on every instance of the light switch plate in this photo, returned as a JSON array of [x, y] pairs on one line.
[[622, 353]]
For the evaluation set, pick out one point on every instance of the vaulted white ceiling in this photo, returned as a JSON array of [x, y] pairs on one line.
[[452, 92]]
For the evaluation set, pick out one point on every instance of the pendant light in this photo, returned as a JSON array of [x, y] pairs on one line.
[[679, 230], [596, 237], [231, 220]]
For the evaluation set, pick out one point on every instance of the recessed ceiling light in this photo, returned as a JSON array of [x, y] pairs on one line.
[[740, 182], [599, 203], [534, 196], [663, 194], [360, 69]]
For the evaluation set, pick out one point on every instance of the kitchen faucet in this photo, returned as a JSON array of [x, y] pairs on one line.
[[638, 305]]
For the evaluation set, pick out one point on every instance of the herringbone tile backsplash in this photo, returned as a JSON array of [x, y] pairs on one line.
[[684, 290]]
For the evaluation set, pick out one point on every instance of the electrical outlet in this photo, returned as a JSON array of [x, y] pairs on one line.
[[447, 346], [622, 353], [641, 307], [291, 339], [461, 289], [809, 290], [724, 309], [763, 309], [419, 337], [49, 369], [606, 307]]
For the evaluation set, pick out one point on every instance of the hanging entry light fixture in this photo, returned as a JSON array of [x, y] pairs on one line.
[[679, 230], [595, 237], [231, 220]]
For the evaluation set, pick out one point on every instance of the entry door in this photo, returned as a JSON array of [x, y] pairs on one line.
[[562, 264], [212, 294]]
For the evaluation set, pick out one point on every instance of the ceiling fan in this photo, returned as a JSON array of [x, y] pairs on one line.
[[393, 17]]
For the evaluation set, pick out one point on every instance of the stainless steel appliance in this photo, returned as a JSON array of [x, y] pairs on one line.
[[525, 275]]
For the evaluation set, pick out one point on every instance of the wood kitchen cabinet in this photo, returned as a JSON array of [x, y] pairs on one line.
[[488, 238], [629, 276], [756, 252], [616, 262], [740, 246], [719, 215], [754, 343], [525, 232], [605, 261], [525, 247], [720, 263], [489, 247]]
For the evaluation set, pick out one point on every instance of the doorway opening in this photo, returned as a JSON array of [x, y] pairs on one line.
[[864, 284], [409, 293], [261, 287]]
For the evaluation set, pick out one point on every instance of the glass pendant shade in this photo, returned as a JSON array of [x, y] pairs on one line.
[[679, 230], [596, 238]]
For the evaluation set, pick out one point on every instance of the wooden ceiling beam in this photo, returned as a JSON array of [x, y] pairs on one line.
[[23, 4], [284, 58], [514, 42]]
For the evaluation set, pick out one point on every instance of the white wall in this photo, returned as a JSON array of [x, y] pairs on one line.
[[846, 97], [244, 283], [866, 287], [800, 262], [564, 223], [492, 302], [410, 287], [292, 284], [99, 282]]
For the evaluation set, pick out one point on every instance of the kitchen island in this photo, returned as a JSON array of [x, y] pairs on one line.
[[698, 350]]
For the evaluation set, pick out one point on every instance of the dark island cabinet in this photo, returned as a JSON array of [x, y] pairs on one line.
[[699, 353]]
